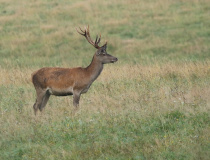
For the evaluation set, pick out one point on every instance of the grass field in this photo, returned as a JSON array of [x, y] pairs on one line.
[[154, 103]]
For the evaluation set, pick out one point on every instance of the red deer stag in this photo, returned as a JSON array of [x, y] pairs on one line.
[[70, 81]]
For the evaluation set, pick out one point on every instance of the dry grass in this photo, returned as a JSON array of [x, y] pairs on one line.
[[125, 72]]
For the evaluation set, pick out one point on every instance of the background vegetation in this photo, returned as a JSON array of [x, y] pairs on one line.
[[152, 104]]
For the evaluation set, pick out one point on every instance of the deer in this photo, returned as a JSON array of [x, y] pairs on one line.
[[70, 81]]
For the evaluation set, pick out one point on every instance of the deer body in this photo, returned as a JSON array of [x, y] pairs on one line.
[[64, 81], [69, 81]]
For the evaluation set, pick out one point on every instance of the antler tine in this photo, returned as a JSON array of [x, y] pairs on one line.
[[88, 33], [83, 32], [97, 41], [88, 28]]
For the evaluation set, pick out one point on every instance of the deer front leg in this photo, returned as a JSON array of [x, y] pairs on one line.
[[76, 98]]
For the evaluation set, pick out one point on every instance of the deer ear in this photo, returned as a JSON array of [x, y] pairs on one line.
[[105, 45]]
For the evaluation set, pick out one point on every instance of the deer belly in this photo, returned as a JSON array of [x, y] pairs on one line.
[[61, 92]]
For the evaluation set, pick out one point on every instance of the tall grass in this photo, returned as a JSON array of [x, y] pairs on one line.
[[152, 104]]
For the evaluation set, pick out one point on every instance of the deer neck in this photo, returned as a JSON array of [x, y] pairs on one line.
[[94, 69]]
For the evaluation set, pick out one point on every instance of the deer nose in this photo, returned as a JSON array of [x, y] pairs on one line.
[[114, 60]]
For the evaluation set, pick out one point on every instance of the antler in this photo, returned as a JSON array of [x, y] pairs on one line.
[[86, 33]]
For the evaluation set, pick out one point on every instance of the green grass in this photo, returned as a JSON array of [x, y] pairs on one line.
[[152, 104], [119, 137]]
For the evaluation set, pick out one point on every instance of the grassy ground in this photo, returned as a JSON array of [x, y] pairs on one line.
[[152, 104]]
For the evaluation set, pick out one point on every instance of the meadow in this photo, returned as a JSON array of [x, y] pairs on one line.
[[153, 103]]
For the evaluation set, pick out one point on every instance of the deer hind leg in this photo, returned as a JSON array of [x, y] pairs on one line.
[[39, 99], [44, 101]]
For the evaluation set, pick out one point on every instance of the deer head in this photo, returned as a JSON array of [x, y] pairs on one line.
[[101, 53]]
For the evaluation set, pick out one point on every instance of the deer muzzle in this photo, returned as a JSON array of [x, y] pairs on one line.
[[114, 60]]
